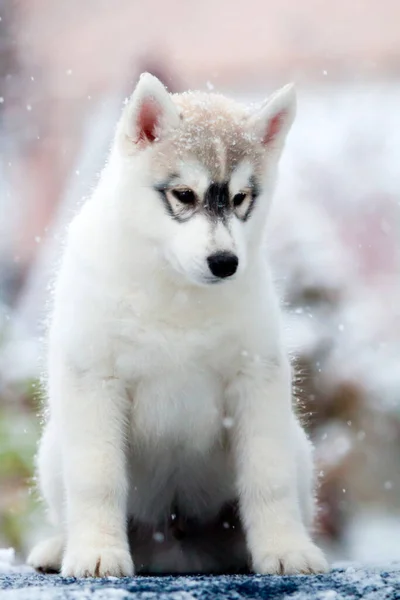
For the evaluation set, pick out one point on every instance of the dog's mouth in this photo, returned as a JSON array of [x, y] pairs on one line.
[[212, 280]]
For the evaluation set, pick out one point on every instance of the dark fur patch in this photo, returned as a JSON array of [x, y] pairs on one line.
[[162, 188], [216, 200], [255, 190], [97, 569], [162, 191], [218, 542], [216, 203]]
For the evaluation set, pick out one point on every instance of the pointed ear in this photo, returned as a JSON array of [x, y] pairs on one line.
[[150, 113], [271, 123]]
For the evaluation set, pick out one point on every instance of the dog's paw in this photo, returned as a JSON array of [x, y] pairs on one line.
[[47, 555], [294, 560], [95, 561]]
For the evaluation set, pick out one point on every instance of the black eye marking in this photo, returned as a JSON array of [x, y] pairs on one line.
[[254, 191], [254, 187], [185, 196], [217, 202], [216, 199], [162, 189], [238, 199]]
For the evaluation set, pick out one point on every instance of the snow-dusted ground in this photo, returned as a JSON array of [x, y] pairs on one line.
[[8, 564], [344, 582]]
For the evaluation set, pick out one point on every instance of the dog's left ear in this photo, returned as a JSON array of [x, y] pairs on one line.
[[271, 123], [150, 113]]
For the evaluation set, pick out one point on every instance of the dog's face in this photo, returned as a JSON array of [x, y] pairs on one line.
[[200, 170]]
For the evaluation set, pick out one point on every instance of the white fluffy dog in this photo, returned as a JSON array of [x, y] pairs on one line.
[[171, 443]]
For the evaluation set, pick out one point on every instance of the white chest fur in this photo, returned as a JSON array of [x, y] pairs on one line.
[[176, 376], [184, 407]]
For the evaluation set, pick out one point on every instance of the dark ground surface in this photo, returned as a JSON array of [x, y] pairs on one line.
[[345, 582]]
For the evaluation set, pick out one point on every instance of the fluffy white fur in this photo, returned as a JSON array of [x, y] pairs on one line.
[[164, 388]]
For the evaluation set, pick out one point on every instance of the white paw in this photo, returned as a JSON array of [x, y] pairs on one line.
[[293, 560], [95, 561], [47, 555]]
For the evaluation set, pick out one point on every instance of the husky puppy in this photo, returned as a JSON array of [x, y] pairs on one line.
[[171, 443]]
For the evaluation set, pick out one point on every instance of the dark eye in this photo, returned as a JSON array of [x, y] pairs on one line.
[[184, 196], [238, 199]]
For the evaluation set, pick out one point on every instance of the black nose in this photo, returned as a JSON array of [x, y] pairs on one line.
[[223, 264]]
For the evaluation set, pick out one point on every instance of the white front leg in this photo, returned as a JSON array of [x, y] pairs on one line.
[[264, 443], [92, 421]]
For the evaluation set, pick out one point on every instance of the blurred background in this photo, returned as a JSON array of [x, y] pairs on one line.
[[65, 70]]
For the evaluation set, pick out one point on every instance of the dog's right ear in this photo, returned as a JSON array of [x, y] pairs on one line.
[[150, 114]]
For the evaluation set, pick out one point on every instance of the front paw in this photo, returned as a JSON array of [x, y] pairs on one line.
[[291, 559], [96, 561], [47, 555]]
